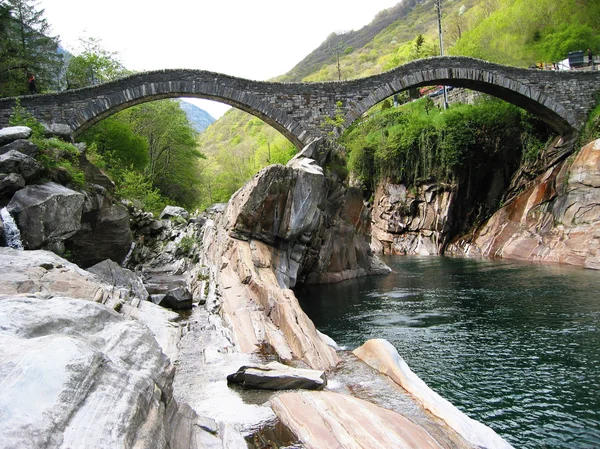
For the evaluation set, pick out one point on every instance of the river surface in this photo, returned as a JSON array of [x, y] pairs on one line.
[[514, 345]]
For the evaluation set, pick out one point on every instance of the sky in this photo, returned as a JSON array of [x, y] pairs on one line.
[[257, 39]]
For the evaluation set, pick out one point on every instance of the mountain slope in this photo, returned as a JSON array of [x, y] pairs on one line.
[[199, 118]]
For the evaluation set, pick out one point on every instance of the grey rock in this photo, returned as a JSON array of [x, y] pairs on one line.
[[17, 162], [179, 298], [10, 183], [174, 211], [59, 130], [24, 146], [47, 212], [12, 133], [104, 234], [94, 175], [276, 376], [112, 273]]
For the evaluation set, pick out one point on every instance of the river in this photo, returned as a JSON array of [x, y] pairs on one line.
[[514, 345]]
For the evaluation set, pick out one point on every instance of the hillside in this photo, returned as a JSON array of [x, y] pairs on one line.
[[198, 117], [512, 32]]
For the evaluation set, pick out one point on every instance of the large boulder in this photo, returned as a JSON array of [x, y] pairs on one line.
[[16, 162], [122, 278], [23, 146], [104, 233], [46, 213], [325, 419], [12, 133], [179, 298], [174, 211], [276, 376], [60, 130], [279, 203]]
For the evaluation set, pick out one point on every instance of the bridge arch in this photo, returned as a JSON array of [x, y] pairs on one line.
[[545, 94], [82, 108]]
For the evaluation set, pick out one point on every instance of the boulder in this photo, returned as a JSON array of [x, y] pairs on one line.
[[174, 211], [382, 356], [104, 234], [12, 133], [276, 376], [280, 202], [23, 146], [113, 274], [60, 130], [17, 162], [179, 298], [46, 213], [323, 419], [10, 183]]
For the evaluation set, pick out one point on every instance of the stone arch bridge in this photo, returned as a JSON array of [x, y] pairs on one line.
[[298, 110]]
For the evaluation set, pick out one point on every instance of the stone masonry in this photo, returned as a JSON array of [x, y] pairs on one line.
[[298, 110]]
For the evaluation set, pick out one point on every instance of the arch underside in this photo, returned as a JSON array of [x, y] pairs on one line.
[[99, 109], [536, 103]]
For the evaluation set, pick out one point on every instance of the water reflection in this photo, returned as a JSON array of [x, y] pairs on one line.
[[514, 345]]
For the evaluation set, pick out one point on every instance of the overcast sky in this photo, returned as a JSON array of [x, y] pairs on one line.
[[257, 39]]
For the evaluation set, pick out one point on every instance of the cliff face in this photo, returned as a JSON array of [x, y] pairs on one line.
[[557, 219], [554, 219]]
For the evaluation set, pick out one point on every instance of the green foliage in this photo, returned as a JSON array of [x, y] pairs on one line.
[[411, 145], [93, 65], [186, 244], [26, 47], [155, 141], [523, 32], [591, 131], [135, 186], [236, 147], [21, 117]]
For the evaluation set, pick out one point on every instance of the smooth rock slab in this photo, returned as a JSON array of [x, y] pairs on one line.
[[276, 376], [331, 420], [74, 374], [383, 356]]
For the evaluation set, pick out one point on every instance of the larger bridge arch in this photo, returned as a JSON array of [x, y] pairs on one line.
[[299, 110]]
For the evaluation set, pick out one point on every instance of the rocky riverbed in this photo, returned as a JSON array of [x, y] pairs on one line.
[[89, 359]]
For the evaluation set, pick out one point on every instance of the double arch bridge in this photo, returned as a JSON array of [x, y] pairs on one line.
[[298, 110]]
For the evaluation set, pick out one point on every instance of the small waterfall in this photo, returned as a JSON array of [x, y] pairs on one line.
[[128, 256], [11, 232]]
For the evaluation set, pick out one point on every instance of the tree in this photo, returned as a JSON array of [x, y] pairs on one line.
[[27, 47], [92, 65]]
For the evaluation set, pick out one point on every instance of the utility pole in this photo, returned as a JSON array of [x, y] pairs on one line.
[[438, 6]]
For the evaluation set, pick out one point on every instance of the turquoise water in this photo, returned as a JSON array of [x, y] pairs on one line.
[[514, 345]]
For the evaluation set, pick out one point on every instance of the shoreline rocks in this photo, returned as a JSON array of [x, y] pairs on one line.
[[383, 357]]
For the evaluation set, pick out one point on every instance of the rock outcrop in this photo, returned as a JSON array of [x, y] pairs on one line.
[[330, 420], [382, 356], [557, 219], [411, 221]]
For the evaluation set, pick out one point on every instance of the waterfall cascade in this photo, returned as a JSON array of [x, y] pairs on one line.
[[11, 232]]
